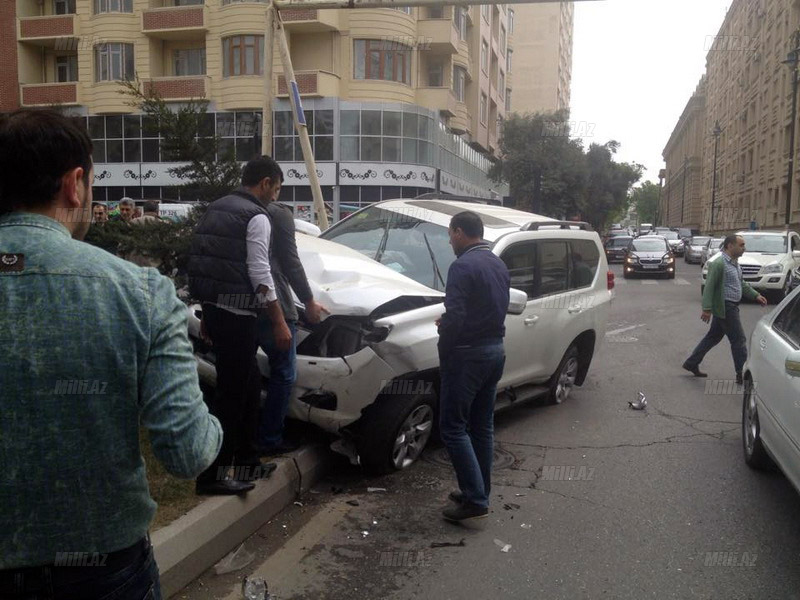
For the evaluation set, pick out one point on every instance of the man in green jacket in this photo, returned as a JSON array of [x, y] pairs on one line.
[[724, 289]]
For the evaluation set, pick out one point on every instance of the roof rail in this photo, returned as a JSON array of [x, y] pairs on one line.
[[443, 196], [535, 225]]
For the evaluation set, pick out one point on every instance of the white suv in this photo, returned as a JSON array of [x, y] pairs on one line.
[[369, 372], [768, 260]]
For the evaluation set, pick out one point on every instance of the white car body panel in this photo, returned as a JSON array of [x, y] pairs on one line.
[[760, 260]]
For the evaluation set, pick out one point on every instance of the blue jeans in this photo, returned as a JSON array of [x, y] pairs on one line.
[[469, 379], [136, 580], [731, 326], [282, 375]]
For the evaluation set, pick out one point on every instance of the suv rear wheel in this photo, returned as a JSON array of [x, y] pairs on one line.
[[564, 378], [394, 431]]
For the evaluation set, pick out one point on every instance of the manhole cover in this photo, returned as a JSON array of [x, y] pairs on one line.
[[503, 459]]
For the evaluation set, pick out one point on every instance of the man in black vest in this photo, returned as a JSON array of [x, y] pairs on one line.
[[229, 272]]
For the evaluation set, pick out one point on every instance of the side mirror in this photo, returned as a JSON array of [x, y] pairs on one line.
[[517, 301], [793, 364]]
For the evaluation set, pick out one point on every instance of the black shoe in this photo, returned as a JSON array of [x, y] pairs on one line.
[[456, 497], [285, 447], [465, 512], [225, 487], [254, 471], [739, 379], [694, 371]]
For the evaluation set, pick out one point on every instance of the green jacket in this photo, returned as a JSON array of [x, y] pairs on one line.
[[714, 292]]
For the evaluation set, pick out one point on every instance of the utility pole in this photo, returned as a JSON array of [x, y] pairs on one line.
[[683, 195], [266, 113], [717, 131], [792, 61], [662, 175]]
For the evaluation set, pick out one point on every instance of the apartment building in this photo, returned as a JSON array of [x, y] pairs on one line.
[[748, 94], [542, 56], [398, 101]]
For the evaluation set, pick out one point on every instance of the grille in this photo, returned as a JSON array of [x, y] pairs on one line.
[[750, 270], [650, 261]]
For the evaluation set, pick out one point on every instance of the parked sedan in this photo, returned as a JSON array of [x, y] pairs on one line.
[[771, 409], [694, 249], [649, 255], [713, 246], [675, 242], [617, 248]]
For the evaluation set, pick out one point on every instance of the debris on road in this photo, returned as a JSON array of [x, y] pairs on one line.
[[502, 545], [238, 559], [511, 506], [353, 503], [297, 503], [375, 489], [639, 404], [255, 589], [449, 544], [526, 526], [364, 534]]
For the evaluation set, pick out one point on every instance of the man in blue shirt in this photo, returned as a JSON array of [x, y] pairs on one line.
[[472, 359], [92, 347]]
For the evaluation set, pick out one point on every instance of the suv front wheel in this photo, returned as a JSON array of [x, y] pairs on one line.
[[563, 379]]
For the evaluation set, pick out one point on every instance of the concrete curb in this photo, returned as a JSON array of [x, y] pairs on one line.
[[188, 546]]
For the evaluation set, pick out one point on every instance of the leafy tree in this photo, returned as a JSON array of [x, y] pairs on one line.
[[645, 199], [608, 185]]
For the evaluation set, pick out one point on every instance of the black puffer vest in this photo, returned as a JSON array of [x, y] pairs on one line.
[[218, 252]]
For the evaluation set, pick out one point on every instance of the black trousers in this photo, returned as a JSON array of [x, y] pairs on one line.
[[238, 394]]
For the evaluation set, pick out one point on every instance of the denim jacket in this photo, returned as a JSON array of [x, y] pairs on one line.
[[90, 347]]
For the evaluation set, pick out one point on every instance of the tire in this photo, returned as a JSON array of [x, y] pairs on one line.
[[755, 455], [563, 379], [672, 275], [702, 289], [388, 420]]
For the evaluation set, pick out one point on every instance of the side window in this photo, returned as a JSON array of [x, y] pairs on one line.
[[521, 262], [554, 262], [788, 322], [585, 260], [795, 243]]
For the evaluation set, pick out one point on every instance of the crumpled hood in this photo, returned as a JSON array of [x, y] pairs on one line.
[[349, 283]]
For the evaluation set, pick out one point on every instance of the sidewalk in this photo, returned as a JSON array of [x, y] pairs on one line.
[[185, 548]]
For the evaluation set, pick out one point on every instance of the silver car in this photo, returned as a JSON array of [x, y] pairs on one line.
[[694, 249], [713, 246]]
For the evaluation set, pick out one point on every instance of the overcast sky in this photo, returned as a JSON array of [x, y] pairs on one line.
[[635, 66]]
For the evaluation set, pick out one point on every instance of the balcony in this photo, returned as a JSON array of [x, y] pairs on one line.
[[178, 88], [461, 122], [311, 83], [50, 31], [49, 94], [438, 98], [438, 35], [175, 22], [306, 20]]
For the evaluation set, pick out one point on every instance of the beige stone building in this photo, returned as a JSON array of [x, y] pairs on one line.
[[399, 101], [542, 56], [748, 92]]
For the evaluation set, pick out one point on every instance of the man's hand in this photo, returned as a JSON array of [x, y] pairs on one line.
[[282, 335], [761, 300], [314, 311], [706, 316]]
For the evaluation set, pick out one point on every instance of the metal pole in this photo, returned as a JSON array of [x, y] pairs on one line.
[[683, 195], [792, 127], [717, 132], [318, 4], [266, 113], [300, 122]]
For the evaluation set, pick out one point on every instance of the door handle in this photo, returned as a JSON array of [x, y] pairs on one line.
[[532, 320], [574, 309]]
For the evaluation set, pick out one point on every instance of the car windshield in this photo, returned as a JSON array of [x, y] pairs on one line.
[[768, 244], [653, 244], [685, 232], [715, 243], [700, 240], [620, 242], [399, 241], [670, 235]]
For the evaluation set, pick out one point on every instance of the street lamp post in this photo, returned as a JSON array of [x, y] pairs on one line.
[[662, 174], [683, 194], [717, 131], [792, 60]]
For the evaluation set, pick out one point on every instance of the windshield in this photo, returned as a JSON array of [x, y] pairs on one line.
[[649, 245], [700, 240], [768, 244], [715, 243], [619, 242], [670, 235], [400, 242]]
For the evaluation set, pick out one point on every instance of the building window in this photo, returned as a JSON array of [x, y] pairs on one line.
[[67, 68], [387, 136], [501, 83], [403, 9], [484, 109], [436, 12], [508, 99], [187, 2], [502, 40], [64, 7], [460, 22], [510, 22], [435, 74], [484, 56], [242, 55], [376, 59], [110, 6], [486, 12], [287, 143], [233, 1], [190, 61], [508, 60], [114, 62], [459, 83]]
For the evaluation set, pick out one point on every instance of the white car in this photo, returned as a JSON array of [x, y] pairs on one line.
[[771, 407], [768, 261], [369, 371]]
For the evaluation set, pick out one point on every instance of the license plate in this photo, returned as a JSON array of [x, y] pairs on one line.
[[651, 266]]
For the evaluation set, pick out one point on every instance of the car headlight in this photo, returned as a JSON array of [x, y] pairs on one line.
[[773, 268], [631, 260], [667, 259]]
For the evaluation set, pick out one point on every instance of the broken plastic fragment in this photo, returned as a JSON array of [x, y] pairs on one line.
[[254, 589], [372, 489], [238, 559], [364, 534], [502, 545], [448, 544], [525, 526], [353, 503], [298, 504]]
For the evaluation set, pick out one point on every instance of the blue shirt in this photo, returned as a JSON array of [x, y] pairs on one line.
[[476, 300], [92, 346], [732, 282]]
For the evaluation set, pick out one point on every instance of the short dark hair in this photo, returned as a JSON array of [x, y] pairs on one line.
[[37, 148], [729, 241], [468, 222], [150, 206], [96, 204], [259, 168]]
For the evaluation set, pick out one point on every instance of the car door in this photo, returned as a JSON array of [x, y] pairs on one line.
[[794, 246]]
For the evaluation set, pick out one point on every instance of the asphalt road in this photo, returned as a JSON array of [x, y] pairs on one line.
[[594, 499]]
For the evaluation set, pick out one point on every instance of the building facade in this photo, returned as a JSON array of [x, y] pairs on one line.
[[398, 101], [681, 195], [542, 56], [748, 95]]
